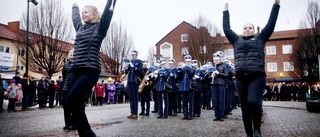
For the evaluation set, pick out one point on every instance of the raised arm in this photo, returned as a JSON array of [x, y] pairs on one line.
[[106, 17], [267, 31], [76, 17], [231, 36]]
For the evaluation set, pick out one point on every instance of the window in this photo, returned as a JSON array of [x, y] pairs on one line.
[[228, 53], [288, 66], [166, 50], [271, 50], [184, 37], [272, 67], [20, 68], [21, 52], [286, 49], [203, 49], [5, 49], [184, 51]]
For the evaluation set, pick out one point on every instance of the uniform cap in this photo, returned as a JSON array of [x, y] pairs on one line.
[[187, 58], [163, 61], [172, 61], [134, 52]]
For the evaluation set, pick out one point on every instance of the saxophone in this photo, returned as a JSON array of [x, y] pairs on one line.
[[144, 82]]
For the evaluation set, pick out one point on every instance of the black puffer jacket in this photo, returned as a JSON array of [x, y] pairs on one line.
[[66, 76], [88, 40], [249, 51]]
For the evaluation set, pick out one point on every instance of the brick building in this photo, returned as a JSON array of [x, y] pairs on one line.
[[278, 50]]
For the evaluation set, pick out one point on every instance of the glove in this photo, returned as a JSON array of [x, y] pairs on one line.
[[152, 75], [131, 65], [147, 78], [216, 72], [196, 76], [171, 74]]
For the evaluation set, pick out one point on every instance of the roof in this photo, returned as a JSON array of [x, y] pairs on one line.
[[5, 32], [183, 22]]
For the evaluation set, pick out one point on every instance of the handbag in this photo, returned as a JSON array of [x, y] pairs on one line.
[[167, 87], [138, 81]]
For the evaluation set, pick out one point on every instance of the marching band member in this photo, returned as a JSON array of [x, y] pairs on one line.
[[187, 95], [218, 87], [229, 81], [207, 88], [173, 95], [161, 78], [145, 94], [153, 88], [134, 71], [198, 76]]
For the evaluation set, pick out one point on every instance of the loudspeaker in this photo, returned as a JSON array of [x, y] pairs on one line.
[[313, 105]]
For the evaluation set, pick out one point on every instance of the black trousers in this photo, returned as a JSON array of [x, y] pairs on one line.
[[155, 99], [197, 103], [250, 91], [172, 103], [82, 83], [67, 112]]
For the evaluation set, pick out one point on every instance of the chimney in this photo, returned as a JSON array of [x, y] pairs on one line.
[[218, 35], [258, 30], [14, 26], [203, 29]]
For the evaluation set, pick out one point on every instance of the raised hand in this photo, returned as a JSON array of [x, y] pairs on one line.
[[226, 6], [111, 3], [277, 1], [75, 5]]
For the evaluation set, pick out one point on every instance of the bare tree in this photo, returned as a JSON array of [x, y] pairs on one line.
[[201, 43], [49, 31], [116, 46], [307, 44], [151, 57]]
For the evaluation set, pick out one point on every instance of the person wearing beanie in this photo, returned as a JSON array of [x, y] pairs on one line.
[[250, 67]]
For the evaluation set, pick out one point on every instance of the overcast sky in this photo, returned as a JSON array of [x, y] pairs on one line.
[[148, 21]]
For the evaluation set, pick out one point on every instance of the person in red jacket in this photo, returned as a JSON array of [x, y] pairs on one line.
[[99, 90]]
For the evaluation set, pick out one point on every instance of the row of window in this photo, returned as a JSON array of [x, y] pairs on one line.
[[6, 49], [270, 50], [287, 66]]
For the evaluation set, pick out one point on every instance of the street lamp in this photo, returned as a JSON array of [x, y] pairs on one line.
[[27, 44]]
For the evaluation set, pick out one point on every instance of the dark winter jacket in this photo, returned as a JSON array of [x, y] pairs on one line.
[[88, 40], [249, 51], [220, 78], [66, 76]]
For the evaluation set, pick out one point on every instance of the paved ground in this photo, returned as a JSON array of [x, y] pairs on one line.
[[281, 119]]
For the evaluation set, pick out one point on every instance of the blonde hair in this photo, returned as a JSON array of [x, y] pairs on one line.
[[95, 11]]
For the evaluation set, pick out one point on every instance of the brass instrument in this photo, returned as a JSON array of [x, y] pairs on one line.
[[144, 82]]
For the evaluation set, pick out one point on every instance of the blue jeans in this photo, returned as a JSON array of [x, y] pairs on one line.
[[250, 92], [133, 97], [82, 82], [218, 99]]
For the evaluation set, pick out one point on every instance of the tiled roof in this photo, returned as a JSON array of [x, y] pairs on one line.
[[5, 32]]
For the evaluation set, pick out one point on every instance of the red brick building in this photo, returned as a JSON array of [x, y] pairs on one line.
[[278, 50]]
